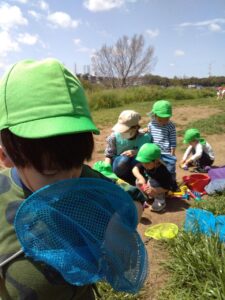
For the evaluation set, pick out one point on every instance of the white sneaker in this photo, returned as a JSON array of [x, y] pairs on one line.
[[158, 205]]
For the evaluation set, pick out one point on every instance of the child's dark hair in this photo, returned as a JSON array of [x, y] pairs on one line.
[[53, 153]]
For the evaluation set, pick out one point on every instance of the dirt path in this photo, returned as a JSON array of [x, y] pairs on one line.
[[175, 212]]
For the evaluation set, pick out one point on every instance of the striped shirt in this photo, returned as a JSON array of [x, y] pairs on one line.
[[163, 135]]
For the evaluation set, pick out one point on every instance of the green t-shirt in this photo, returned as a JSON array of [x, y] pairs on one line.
[[23, 278]]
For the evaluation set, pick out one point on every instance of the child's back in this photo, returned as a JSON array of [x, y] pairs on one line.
[[46, 135]]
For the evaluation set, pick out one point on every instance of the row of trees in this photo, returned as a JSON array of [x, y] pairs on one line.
[[211, 81]]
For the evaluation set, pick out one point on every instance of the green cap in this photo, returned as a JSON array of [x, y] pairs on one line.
[[105, 169], [41, 99], [191, 135], [162, 109], [148, 153]]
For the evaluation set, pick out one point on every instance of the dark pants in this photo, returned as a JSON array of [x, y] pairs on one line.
[[122, 166], [203, 161]]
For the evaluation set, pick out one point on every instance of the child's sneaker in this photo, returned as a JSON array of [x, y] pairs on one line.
[[158, 205]]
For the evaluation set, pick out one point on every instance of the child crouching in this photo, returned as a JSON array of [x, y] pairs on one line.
[[198, 153], [153, 175]]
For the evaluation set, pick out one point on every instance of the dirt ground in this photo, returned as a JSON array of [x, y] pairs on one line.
[[175, 212]]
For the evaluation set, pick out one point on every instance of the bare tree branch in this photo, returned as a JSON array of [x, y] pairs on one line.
[[127, 59]]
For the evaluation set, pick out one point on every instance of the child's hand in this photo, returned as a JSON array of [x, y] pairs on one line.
[[183, 166], [188, 162], [142, 183], [144, 130], [150, 191], [129, 153]]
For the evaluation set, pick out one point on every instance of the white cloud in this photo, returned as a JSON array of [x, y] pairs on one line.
[[102, 5], [22, 1], [34, 14], [61, 19], [172, 65], [77, 41], [215, 27], [43, 5], [152, 33], [82, 48], [11, 16], [179, 52], [28, 39], [203, 23], [85, 49], [7, 44]]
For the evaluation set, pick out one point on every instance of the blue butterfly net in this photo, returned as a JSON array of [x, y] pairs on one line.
[[86, 229]]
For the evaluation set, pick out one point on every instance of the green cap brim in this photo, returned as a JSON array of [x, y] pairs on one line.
[[54, 126], [163, 115], [142, 160]]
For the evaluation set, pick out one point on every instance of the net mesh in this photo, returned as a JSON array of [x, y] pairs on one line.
[[86, 229]]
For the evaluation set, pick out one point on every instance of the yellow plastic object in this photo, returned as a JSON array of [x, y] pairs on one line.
[[183, 191], [162, 231]]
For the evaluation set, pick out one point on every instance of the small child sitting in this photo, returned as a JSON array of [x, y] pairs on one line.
[[153, 175], [124, 143], [198, 153]]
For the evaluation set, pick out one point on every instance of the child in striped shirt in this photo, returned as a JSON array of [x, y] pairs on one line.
[[163, 133]]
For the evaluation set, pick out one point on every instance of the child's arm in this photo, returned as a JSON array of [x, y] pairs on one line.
[[197, 155], [172, 138], [140, 179], [110, 150], [173, 151], [154, 191], [186, 154]]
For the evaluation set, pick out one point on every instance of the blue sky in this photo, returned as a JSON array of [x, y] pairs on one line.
[[188, 35]]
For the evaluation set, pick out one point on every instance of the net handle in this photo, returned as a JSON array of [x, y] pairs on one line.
[[15, 255]]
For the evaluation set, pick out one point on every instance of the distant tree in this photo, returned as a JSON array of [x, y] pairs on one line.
[[124, 62]]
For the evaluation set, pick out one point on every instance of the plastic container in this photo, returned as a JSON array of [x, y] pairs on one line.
[[197, 182]]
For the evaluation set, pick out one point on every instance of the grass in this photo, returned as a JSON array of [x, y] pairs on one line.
[[198, 268], [111, 98], [107, 117], [107, 293], [197, 264], [217, 124], [215, 204], [214, 124]]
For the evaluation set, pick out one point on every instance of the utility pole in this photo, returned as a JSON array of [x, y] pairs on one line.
[[210, 70]]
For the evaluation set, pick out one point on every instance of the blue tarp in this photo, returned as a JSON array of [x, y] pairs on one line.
[[203, 221]]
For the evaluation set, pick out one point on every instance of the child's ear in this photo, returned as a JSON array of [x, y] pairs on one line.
[[4, 159]]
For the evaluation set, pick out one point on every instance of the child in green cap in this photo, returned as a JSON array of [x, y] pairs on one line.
[[46, 134], [163, 133], [152, 171], [198, 153]]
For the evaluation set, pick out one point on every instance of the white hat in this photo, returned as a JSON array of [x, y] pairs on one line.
[[126, 120]]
